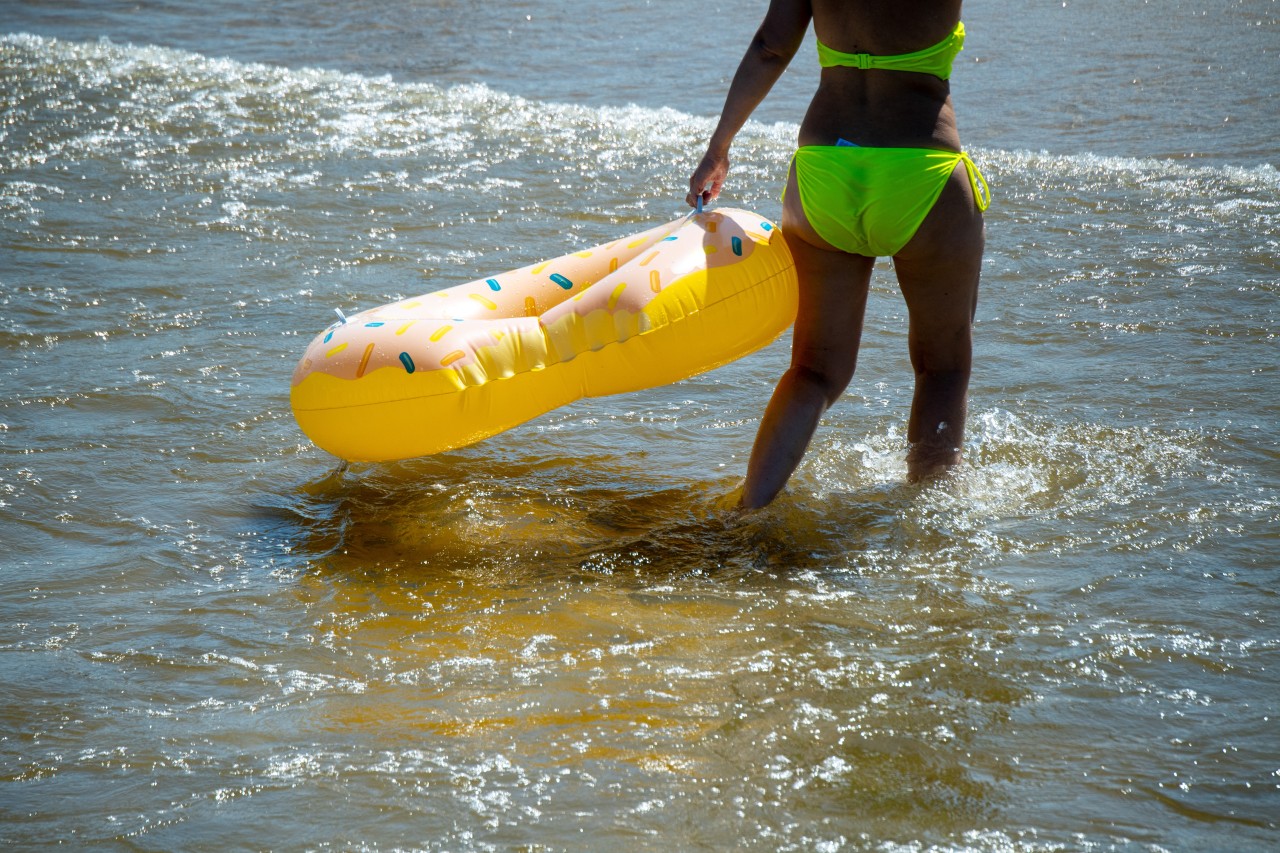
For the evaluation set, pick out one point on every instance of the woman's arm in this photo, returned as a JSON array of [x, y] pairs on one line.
[[768, 55]]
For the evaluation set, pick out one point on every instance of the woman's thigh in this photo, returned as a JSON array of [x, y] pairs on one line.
[[833, 297], [939, 268]]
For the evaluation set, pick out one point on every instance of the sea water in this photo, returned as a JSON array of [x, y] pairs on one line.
[[214, 636]]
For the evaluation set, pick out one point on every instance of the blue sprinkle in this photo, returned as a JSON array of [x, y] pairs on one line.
[[669, 239], [328, 337], [374, 325], [407, 361], [493, 284], [766, 226], [737, 245], [561, 280]]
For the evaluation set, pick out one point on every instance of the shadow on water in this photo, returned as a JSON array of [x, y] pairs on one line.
[[539, 518], [827, 657]]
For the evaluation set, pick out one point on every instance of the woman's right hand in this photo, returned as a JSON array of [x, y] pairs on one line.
[[708, 178]]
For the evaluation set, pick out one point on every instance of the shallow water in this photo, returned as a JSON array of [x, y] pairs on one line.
[[212, 635]]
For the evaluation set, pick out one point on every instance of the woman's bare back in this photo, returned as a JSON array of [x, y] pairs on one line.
[[882, 108], [883, 27]]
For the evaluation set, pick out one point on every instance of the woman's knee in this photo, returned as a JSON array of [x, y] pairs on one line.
[[825, 381], [941, 350]]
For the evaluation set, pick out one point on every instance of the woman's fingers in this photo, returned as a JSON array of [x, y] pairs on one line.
[[707, 180]]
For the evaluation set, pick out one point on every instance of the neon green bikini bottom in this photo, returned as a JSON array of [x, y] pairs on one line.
[[871, 201]]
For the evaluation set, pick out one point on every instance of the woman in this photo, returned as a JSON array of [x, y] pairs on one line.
[[879, 172]]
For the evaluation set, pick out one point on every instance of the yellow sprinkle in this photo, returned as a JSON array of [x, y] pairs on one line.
[[616, 295], [645, 262], [339, 348], [440, 333], [530, 307], [711, 250], [655, 282], [613, 265], [364, 361], [452, 357], [498, 336], [414, 304], [540, 267], [582, 254], [712, 226], [405, 327], [635, 243], [492, 306]]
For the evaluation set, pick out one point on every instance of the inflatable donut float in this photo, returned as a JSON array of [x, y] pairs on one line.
[[446, 369]]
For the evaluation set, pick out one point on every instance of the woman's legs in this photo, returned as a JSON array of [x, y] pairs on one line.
[[938, 272], [824, 352]]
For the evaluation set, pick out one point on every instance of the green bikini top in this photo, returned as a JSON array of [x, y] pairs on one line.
[[935, 60]]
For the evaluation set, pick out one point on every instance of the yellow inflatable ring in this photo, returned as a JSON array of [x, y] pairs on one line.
[[446, 369]]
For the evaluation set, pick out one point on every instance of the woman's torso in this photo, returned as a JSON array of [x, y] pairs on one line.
[[875, 107]]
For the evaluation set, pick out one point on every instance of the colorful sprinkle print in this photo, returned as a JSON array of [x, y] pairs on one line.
[[616, 295], [566, 285], [364, 360]]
